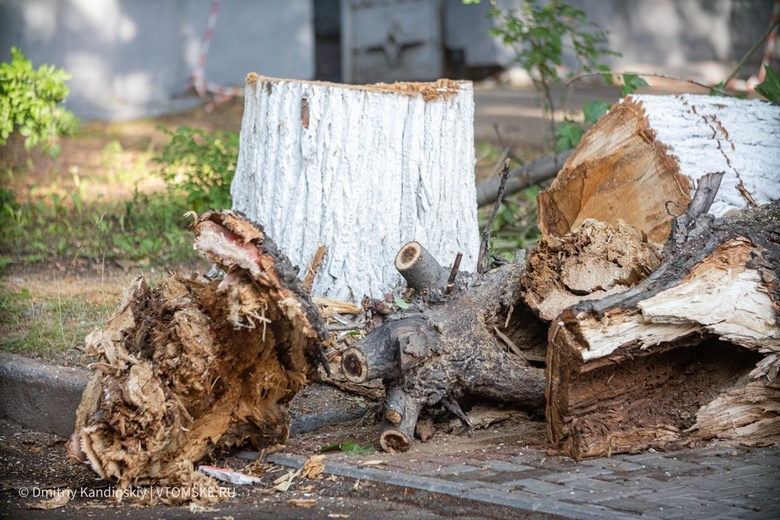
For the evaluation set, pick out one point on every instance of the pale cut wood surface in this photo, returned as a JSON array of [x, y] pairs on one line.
[[649, 152]]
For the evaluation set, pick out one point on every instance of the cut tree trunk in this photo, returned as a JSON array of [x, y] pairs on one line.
[[195, 365], [641, 163], [692, 352], [450, 346], [362, 170]]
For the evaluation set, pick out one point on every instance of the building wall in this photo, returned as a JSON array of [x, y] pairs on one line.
[[133, 58]]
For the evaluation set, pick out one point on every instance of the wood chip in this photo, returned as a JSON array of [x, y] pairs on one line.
[[59, 498], [313, 467], [303, 502]]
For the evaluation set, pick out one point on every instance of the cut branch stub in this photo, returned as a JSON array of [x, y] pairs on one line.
[[439, 353], [383, 353], [420, 269], [400, 419]]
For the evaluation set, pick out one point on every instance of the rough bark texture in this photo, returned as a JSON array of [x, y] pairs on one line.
[[692, 352], [450, 347], [195, 365], [362, 170], [647, 154]]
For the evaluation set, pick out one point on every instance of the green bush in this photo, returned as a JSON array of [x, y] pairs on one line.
[[29, 101], [199, 167]]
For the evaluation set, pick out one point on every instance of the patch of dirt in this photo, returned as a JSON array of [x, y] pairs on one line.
[[33, 463]]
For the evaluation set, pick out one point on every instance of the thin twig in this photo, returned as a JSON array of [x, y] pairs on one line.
[[484, 246], [751, 51], [507, 149], [453, 273], [652, 75]]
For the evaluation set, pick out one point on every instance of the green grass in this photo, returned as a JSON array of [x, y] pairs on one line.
[[39, 325], [148, 228]]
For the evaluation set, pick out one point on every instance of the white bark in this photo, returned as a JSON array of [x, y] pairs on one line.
[[712, 134], [721, 297], [362, 170]]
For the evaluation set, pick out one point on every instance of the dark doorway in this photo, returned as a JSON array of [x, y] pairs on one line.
[[327, 39]]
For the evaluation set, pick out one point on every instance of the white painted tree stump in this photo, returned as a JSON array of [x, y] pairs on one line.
[[362, 170]]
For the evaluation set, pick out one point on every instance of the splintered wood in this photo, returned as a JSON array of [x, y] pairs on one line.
[[690, 353], [195, 365], [642, 160], [659, 340]]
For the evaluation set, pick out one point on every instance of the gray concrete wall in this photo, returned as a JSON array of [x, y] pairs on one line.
[[133, 58], [701, 38]]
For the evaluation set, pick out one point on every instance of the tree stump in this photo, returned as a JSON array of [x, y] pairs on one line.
[[195, 365], [362, 170]]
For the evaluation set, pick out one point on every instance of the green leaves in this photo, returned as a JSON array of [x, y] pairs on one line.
[[537, 32], [631, 82], [200, 166], [401, 303], [348, 447], [568, 136], [770, 87], [29, 101], [594, 110]]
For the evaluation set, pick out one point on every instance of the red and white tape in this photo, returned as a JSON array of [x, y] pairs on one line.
[[198, 80]]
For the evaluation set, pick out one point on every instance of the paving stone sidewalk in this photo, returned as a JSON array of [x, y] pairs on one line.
[[712, 483]]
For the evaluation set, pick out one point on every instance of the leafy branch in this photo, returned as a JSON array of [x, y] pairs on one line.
[[29, 101]]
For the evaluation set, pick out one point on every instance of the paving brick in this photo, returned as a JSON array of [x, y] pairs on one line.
[[500, 465], [708, 484], [599, 486], [630, 505], [539, 487], [751, 501], [614, 464], [647, 485], [457, 469]]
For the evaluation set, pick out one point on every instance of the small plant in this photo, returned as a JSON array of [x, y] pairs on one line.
[[770, 87], [200, 167], [29, 101], [540, 33]]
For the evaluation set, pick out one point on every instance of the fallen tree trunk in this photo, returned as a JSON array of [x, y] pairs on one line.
[[449, 347], [691, 352], [641, 163], [195, 365], [362, 170], [664, 326]]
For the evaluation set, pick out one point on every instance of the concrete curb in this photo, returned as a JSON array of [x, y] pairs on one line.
[[464, 490], [40, 396], [45, 397]]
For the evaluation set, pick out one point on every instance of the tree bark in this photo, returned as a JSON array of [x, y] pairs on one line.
[[648, 153], [195, 365], [691, 352], [362, 170], [449, 347]]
